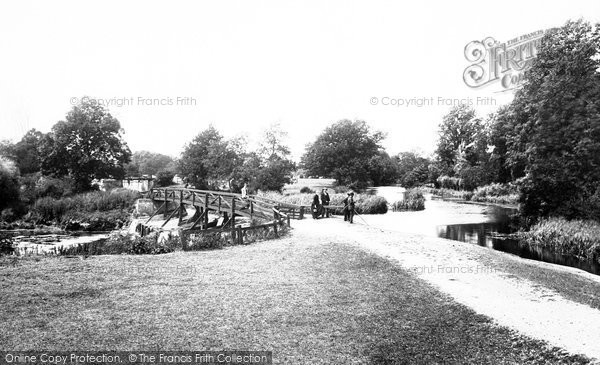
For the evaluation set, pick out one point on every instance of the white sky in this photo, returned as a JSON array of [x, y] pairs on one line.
[[248, 64]]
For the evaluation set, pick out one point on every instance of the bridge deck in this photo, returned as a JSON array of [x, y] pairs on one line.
[[221, 202]]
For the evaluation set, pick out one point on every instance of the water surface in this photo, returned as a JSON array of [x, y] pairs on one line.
[[483, 225]]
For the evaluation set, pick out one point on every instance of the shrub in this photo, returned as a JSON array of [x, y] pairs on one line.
[[413, 201], [6, 245], [447, 182], [164, 178], [306, 190], [205, 241], [128, 244], [53, 187], [51, 209], [577, 237], [496, 193], [371, 204], [452, 194]]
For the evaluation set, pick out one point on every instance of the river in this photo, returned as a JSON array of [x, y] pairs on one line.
[[483, 225]]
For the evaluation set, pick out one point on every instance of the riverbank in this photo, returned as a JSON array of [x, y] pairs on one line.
[[324, 294], [553, 303]]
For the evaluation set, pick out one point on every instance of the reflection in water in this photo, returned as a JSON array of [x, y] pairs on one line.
[[492, 234]]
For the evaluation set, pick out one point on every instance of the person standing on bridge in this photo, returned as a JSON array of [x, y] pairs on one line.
[[245, 196], [325, 202]]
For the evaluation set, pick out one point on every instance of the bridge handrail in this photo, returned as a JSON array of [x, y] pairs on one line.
[[259, 203]]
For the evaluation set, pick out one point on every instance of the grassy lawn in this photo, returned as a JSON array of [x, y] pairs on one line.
[[309, 303]]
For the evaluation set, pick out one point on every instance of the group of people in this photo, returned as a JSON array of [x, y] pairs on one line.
[[320, 203]]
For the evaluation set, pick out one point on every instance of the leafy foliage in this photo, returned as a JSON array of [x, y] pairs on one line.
[[413, 201], [164, 178], [343, 151], [87, 145], [555, 126], [208, 157], [150, 163], [413, 169], [9, 183]]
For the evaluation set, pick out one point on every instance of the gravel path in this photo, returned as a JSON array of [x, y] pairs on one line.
[[456, 268]]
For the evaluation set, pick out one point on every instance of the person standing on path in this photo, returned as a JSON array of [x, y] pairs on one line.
[[349, 208], [325, 202], [315, 206]]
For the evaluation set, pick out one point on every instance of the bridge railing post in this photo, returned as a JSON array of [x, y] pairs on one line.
[[233, 212], [205, 210], [166, 204], [181, 208]]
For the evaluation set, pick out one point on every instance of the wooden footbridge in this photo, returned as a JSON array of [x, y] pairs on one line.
[[173, 201]]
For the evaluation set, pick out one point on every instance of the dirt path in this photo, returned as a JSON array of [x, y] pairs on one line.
[[458, 270]]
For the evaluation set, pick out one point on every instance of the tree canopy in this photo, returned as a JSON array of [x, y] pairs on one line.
[[343, 151], [87, 145], [555, 125]]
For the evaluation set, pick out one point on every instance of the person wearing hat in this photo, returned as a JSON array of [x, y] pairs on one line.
[[349, 208], [325, 202]]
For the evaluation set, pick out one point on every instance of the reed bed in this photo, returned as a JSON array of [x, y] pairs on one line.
[[577, 237], [413, 201]]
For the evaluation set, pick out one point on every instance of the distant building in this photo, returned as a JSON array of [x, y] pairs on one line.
[[138, 183]]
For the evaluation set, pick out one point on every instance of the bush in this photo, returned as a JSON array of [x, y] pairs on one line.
[[164, 178], [128, 244], [50, 209], [205, 241], [447, 182], [577, 237], [452, 194], [496, 193], [306, 190], [413, 201], [6, 245], [371, 204]]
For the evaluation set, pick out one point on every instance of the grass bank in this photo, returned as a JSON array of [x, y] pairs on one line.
[[495, 193], [365, 203], [306, 302], [93, 211], [576, 238]]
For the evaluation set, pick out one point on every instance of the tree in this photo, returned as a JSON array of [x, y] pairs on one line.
[[383, 170], [413, 169], [28, 152], [556, 125], [274, 174], [273, 143], [343, 152], [268, 168], [276, 167], [208, 158], [164, 178], [7, 150], [457, 135], [87, 145], [9, 183], [149, 163]]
